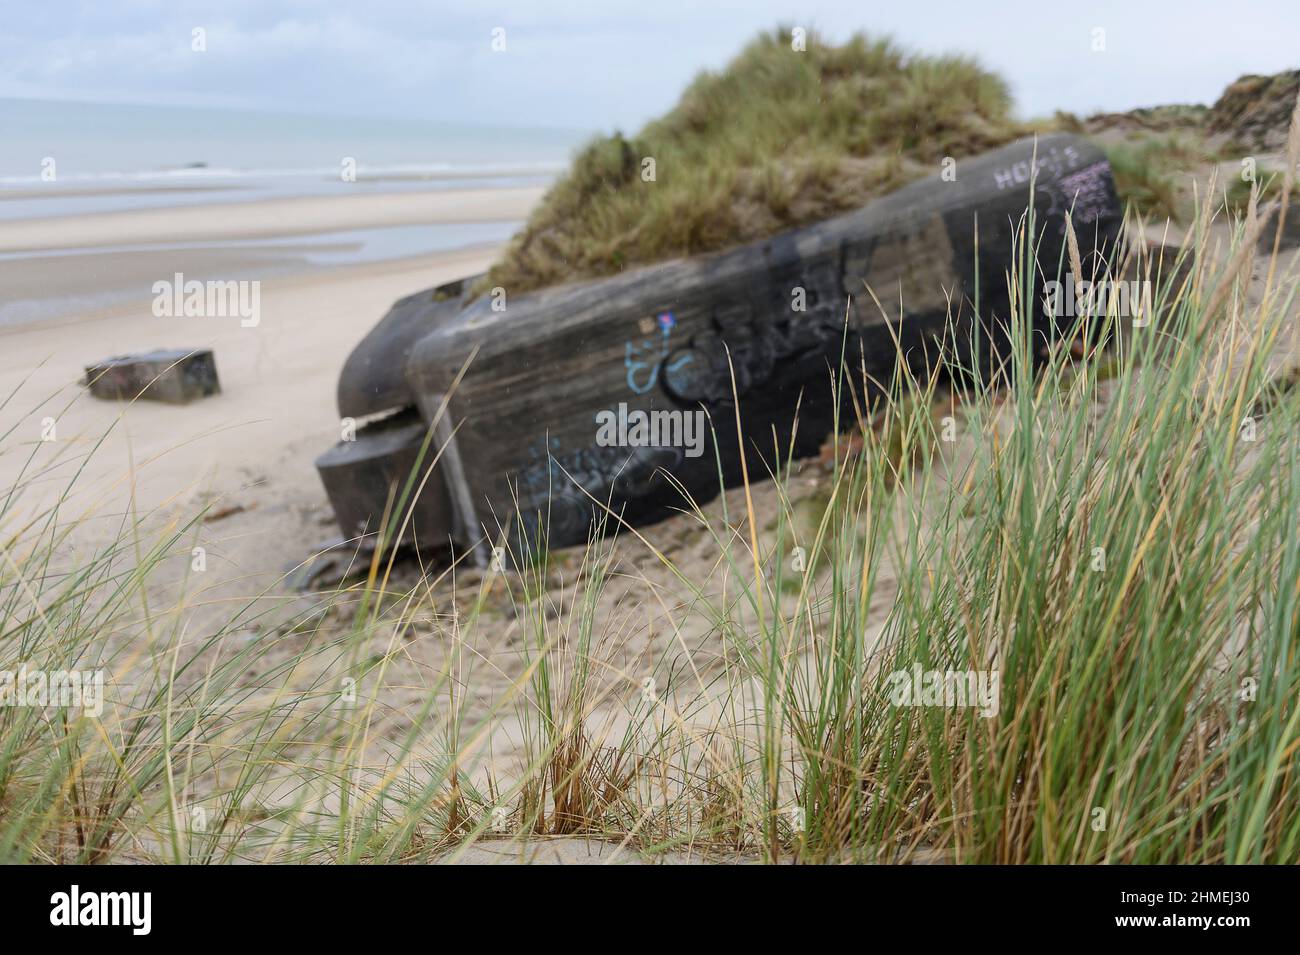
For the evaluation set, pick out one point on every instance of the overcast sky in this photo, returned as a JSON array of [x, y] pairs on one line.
[[599, 65]]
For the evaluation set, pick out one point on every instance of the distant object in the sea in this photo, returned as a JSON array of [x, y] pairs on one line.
[[176, 376]]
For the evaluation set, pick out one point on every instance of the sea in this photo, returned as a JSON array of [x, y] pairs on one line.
[[72, 158]]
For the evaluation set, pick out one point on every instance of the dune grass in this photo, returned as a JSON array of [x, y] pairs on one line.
[[1153, 174], [1144, 180], [778, 139], [784, 137], [1112, 536]]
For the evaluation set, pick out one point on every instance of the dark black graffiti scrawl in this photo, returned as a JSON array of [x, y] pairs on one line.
[[759, 342], [568, 489]]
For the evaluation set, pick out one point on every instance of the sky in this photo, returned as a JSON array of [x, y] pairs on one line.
[[607, 64]]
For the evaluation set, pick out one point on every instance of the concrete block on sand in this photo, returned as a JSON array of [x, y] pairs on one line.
[[177, 376]]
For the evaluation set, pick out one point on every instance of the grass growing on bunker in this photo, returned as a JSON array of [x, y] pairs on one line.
[[1112, 535], [779, 138]]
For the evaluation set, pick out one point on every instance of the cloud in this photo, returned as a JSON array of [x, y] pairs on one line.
[[578, 64]]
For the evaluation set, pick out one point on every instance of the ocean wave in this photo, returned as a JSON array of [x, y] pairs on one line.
[[382, 171]]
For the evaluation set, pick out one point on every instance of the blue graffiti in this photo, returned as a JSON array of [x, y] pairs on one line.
[[648, 355]]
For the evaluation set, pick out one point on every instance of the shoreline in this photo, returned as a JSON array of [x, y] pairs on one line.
[[266, 218], [53, 287], [66, 267], [308, 275]]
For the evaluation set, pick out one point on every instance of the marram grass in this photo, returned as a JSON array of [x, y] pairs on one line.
[[777, 139], [1112, 534]]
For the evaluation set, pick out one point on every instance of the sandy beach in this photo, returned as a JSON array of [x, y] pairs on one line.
[[253, 446], [274, 217]]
